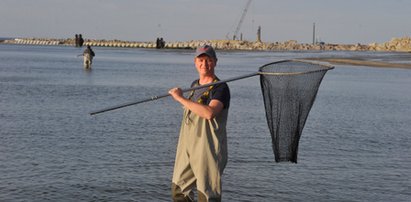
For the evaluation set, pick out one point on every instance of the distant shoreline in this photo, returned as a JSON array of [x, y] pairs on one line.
[[394, 45]]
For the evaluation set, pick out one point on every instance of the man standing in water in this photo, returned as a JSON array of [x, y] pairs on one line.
[[88, 55], [202, 147]]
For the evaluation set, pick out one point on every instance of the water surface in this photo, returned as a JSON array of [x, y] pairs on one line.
[[355, 145]]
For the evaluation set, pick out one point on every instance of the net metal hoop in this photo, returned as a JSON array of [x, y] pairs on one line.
[[325, 67]]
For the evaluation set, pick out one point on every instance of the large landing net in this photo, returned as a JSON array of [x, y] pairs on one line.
[[289, 90]]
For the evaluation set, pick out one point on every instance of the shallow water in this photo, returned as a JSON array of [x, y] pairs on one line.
[[355, 145]]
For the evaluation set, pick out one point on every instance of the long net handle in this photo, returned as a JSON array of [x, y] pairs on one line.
[[166, 95], [218, 82]]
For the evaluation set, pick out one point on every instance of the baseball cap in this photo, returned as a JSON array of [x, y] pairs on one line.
[[206, 49]]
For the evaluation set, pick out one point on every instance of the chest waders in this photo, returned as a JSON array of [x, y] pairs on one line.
[[201, 157], [88, 60]]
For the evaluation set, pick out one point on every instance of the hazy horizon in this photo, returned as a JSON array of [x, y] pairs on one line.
[[344, 22]]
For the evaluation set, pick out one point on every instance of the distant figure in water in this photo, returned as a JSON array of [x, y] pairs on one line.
[[77, 40], [88, 55], [80, 40], [160, 43]]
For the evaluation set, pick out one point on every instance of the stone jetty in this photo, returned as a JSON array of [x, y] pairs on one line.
[[395, 45]]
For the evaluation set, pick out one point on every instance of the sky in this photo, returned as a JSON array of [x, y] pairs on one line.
[[336, 21]]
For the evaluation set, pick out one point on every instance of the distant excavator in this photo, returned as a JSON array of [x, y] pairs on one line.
[[235, 35]]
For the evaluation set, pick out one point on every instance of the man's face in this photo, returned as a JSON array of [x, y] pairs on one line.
[[205, 65]]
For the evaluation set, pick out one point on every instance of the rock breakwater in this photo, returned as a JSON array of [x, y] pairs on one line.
[[396, 44]]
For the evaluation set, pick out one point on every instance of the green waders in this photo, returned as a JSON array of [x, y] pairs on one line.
[[200, 158]]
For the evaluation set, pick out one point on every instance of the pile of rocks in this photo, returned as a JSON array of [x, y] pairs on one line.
[[395, 44]]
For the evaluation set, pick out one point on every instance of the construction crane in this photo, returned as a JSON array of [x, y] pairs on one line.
[[241, 19]]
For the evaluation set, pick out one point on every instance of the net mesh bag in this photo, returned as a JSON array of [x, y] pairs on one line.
[[289, 89]]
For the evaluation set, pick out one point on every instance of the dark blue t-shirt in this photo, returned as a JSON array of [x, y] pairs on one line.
[[219, 92]]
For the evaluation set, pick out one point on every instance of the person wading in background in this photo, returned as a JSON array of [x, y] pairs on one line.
[[80, 40], [76, 40], [202, 147], [88, 55]]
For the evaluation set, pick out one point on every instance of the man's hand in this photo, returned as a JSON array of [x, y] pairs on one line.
[[176, 93]]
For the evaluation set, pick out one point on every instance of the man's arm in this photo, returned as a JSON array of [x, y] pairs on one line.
[[205, 111]]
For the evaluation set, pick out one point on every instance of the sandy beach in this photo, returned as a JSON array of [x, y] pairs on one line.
[[361, 62]]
